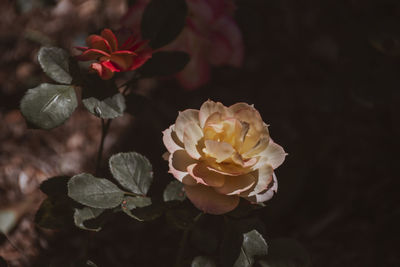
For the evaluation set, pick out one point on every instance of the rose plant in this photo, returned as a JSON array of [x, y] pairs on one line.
[[222, 158]]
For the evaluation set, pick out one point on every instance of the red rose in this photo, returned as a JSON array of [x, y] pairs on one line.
[[111, 57]]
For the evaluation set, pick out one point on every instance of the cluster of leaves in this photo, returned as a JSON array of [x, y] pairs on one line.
[[91, 200]]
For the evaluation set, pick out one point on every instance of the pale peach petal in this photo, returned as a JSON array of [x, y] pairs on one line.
[[203, 175], [170, 143], [273, 155], [261, 145], [207, 200], [209, 107], [264, 178], [228, 168], [254, 138], [239, 106], [267, 194], [178, 163], [250, 115], [218, 150], [191, 138], [235, 185], [184, 117]]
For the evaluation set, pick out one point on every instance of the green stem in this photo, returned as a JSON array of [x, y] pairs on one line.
[[182, 244], [104, 130]]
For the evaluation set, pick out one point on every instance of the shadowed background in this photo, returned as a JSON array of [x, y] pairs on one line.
[[324, 76]]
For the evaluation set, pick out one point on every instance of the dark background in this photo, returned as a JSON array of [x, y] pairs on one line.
[[325, 76]]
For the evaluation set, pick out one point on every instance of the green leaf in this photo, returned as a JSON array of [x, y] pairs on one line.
[[174, 191], [162, 21], [233, 238], [94, 192], [84, 214], [142, 210], [135, 202], [109, 108], [131, 203], [164, 63], [285, 252], [55, 186], [48, 105], [253, 245], [54, 213], [133, 171], [3, 262], [202, 261], [8, 219], [54, 62]]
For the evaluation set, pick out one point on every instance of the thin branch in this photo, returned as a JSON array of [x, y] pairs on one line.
[[104, 130]]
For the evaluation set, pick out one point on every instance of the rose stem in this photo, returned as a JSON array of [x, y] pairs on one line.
[[104, 130], [182, 244]]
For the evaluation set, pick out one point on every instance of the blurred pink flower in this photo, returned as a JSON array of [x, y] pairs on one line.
[[210, 37], [111, 57]]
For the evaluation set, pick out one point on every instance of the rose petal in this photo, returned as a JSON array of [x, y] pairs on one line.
[[203, 175], [129, 42], [97, 42], [111, 66], [191, 138], [264, 178], [273, 155], [235, 185], [261, 145], [178, 163], [123, 59], [267, 194], [172, 144], [82, 48], [218, 150], [207, 200], [226, 168], [111, 39], [92, 54], [141, 58], [208, 108], [104, 72], [184, 117]]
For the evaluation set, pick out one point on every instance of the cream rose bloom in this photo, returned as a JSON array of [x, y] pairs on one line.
[[221, 154]]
